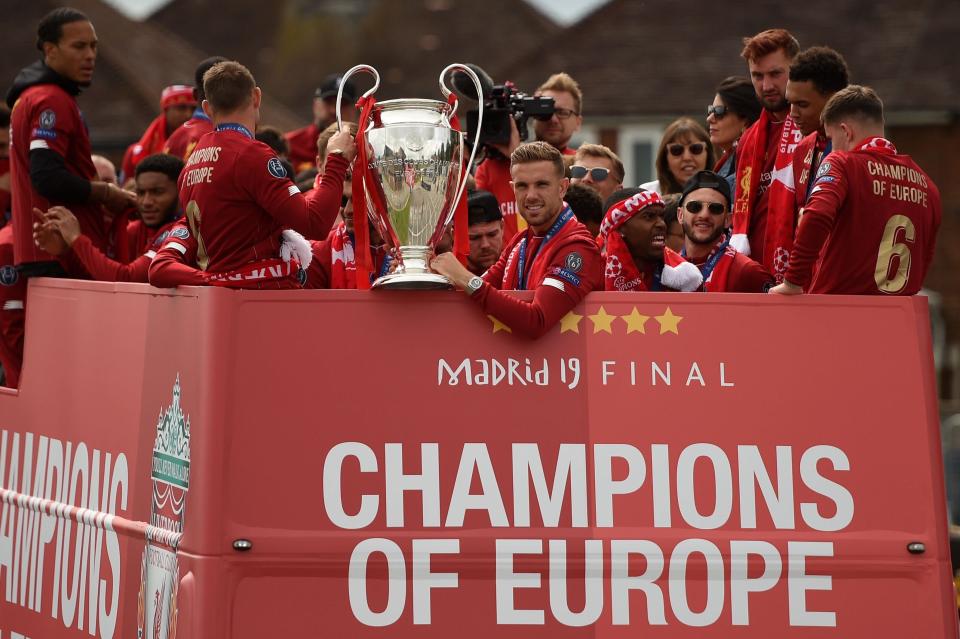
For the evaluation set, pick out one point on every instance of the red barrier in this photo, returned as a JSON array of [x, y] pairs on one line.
[[356, 464]]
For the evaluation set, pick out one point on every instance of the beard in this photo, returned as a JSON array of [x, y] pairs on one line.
[[712, 239], [779, 106]]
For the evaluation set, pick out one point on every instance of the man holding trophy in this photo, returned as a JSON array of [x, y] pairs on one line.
[[556, 257]]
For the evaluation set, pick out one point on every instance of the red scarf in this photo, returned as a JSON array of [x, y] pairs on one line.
[[343, 265], [877, 145], [778, 240], [286, 274], [621, 272]]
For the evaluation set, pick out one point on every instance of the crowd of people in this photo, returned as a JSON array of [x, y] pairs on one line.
[[787, 186]]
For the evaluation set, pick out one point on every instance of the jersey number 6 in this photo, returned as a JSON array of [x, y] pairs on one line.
[[898, 232]]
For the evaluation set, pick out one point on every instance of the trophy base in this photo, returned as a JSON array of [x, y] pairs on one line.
[[413, 282]]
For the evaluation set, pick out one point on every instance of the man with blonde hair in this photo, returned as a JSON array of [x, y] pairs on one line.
[[493, 173], [555, 256], [598, 167], [567, 118]]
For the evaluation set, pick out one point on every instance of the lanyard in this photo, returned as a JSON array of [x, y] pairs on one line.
[[657, 284], [815, 166], [565, 217], [384, 268], [706, 269], [232, 126]]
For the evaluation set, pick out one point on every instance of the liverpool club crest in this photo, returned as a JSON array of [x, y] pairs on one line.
[[171, 481]]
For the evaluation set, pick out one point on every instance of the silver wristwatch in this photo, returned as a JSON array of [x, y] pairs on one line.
[[473, 285]]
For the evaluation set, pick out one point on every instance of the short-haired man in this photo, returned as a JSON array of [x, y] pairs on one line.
[[765, 154], [704, 214], [50, 161], [493, 173], [870, 225], [177, 104], [555, 256], [567, 112], [484, 230], [633, 241], [303, 141], [156, 188], [238, 197], [598, 167], [586, 205], [815, 76], [181, 142]]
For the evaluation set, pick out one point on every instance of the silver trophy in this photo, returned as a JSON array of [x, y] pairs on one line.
[[415, 159]]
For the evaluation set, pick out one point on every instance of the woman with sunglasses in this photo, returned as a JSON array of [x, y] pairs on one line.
[[735, 107], [684, 149]]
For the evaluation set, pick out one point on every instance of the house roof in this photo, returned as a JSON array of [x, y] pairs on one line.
[[651, 58], [291, 45]]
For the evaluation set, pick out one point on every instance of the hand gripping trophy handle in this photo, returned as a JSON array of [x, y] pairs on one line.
[[343, 81], [473, 152]]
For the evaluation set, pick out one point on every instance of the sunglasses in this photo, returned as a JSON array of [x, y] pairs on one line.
[[695, 206], [718, 111], [598, 174], [676, 149]]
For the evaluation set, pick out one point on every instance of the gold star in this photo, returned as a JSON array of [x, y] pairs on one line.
[[570, 322], [498, 325], [635, 321], [601, 321], [668, 322]]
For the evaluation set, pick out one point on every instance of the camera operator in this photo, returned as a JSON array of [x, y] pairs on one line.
[[493, 173]]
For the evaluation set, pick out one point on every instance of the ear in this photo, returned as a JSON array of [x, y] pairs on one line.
[[207, 108], [564, 185], [257, 97]]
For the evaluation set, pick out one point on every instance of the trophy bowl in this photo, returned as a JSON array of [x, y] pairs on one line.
[[415, 176], [415, 160]]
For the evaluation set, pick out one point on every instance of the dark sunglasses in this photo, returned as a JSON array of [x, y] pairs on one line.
[[599, 174], [718, 111], [344, 200], [696, 148], [695, 206]]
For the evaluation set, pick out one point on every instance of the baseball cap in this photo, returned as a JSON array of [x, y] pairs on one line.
[[707, 180], [482, 207], [331, 84]]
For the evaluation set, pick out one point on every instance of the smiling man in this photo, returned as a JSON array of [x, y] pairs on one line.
[[158, 205], [704, 213], [555, 256]]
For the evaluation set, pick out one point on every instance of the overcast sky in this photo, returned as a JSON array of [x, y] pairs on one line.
[[564, 12]]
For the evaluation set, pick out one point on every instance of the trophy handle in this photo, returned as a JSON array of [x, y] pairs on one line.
[[473, 152], [343, 80]]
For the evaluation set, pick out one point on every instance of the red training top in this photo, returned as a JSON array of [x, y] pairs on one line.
[[47, 117], [100, 267], [13, 293], [734, 273], [303, 147], [182, 141], [561, 269], [236, 192], [869, 226]]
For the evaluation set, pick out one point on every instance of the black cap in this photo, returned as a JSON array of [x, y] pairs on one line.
[[707, 180], [330, 86], [482, 207]]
